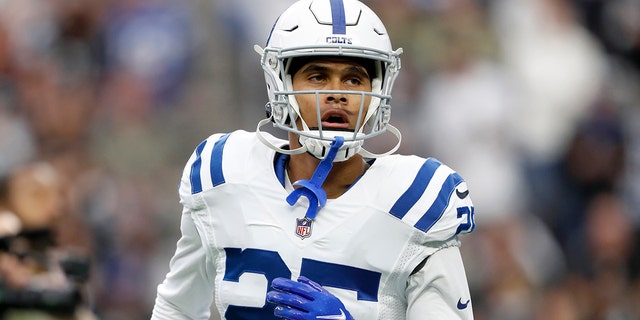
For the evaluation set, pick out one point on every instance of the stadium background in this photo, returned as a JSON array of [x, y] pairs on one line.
[[535, 102]]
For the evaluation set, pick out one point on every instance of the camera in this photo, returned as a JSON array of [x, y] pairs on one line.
[[33, 249]]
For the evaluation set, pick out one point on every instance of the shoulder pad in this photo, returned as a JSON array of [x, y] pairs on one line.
[[206, 168], [437, 202]]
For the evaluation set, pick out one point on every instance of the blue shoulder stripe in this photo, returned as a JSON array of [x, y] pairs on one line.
[[339, 20], [196, 183], [217, 177], [215, 165], [440, 204], [417, 188]]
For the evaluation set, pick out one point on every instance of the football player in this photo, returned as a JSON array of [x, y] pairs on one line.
[[315, 226]]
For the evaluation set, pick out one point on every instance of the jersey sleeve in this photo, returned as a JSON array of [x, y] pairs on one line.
[[439, 291], [458, 212], [188, 288], [432, 198]]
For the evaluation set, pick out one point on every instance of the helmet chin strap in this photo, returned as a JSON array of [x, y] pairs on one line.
[[272, 146], [312, 189], [393, 130], [318, 148], [338, 157]]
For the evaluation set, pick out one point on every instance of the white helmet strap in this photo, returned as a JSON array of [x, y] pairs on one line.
[[304, 148]]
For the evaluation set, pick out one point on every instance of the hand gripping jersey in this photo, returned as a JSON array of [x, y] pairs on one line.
[[387, 248]]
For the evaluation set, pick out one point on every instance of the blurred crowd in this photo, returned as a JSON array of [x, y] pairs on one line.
[[534, 102]]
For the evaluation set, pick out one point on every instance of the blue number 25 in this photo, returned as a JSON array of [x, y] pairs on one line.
[[271, 265]]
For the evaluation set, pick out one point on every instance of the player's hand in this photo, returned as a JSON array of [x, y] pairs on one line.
[[305, 300]]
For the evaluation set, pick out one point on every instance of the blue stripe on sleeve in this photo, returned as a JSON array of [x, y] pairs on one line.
[[440, 204], [217, 177], [196, 182], [338, 17], [417, 188]]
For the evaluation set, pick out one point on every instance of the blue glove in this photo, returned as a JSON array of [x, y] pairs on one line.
[[305, 300]]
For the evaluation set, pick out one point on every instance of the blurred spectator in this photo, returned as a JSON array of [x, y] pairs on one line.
[[603, 285], [464, 113], [149, 46], [558, 71], [592, 165], [31, 30], [35, 194], [148, 51], [245, 23], [38, 279], [617, 24], [610, 240], [510, 261], [16, 138]]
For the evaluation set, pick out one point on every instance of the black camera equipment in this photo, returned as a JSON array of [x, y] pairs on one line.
[[33, 245]]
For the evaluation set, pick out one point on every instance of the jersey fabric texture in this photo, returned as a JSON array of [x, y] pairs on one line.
[[388, 247]]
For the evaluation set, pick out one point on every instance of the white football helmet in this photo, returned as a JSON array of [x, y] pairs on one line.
[[344, 28]]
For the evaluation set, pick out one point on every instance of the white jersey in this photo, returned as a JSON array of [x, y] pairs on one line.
[[387, 247]]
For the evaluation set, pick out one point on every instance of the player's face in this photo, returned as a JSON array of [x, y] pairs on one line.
[[338, 111]]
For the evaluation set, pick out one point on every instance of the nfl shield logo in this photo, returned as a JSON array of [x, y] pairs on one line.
[[303, 227]]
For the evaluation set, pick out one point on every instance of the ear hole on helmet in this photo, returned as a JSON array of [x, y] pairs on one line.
[[268, 110]]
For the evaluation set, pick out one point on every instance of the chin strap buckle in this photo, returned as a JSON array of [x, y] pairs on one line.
[[312, 189]]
